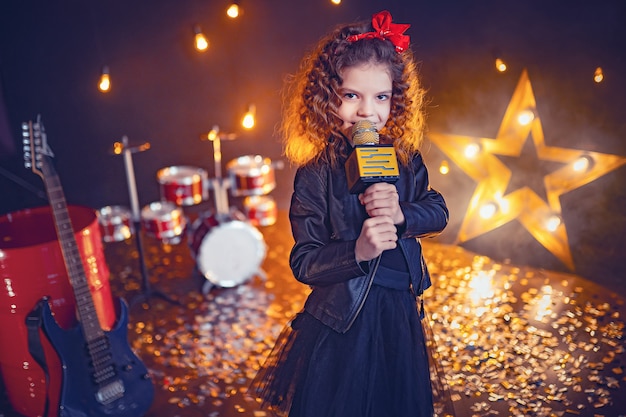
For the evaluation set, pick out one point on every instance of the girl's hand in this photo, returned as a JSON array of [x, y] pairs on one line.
[[381, 199], [377, 234]]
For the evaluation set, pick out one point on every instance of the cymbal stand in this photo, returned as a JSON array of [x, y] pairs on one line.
[[147, 292], [220, 185]]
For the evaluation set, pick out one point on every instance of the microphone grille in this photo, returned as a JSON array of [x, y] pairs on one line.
[[364, 132]]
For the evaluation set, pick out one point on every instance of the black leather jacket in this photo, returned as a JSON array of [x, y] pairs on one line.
[[326, 221]]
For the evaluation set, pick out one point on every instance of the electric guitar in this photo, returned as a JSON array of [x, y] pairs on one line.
[[101, 376]]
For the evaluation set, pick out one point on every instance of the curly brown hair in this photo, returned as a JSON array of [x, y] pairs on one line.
[[310, 98]]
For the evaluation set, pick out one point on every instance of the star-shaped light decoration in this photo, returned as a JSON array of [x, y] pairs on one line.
[[489, 207]]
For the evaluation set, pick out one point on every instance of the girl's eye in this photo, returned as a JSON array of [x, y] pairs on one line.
[[383, 97], [350, 95]]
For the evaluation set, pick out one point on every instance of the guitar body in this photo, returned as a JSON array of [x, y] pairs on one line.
[[80, 395]]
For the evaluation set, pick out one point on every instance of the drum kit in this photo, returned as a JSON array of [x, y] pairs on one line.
[[226, 244]]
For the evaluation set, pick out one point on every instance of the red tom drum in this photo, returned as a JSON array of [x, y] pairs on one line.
[[115, 223], [260, 209], [164, 220], [251, 175], [183, 185]]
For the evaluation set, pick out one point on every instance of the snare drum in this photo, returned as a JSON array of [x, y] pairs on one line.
[[115, 223], [183, 185], [260, 209], [251, 175], [228, 252], [163, 220]]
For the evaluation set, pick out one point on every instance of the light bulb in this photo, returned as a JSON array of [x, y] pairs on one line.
[[500, 65], [104, 84], [584, 163], [488, 210], [444, 168], [472, 150], [233, 10], [553, 223], [201, 42], [248, 120], [598, 76], [525, 117], [335, 1]]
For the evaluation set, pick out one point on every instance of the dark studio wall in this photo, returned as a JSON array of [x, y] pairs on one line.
[[166, 93]]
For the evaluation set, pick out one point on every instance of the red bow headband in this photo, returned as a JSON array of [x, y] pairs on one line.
[[384, 29]]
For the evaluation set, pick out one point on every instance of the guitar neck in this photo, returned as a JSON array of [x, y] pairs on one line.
[[71, 255]]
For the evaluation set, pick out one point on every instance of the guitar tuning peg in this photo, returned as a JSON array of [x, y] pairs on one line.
[[28, 165], [26, 154]]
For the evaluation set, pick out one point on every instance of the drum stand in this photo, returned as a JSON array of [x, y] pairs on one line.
[[220, 186], [147, 292]]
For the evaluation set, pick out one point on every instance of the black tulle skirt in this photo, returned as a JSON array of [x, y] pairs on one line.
[[378, 368]]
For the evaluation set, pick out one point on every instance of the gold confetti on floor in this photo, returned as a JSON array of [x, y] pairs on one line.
[[508, 340]]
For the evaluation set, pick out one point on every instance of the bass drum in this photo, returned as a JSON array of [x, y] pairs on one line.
[[227, 252]]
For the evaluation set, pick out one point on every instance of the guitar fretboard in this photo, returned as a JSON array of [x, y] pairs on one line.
[[71, 255]]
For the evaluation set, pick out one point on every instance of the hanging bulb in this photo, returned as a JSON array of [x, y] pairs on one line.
[[233, 10], [335, 1], [500, 65], [104, 85], [598, 76], [248, 120], [201, 42]]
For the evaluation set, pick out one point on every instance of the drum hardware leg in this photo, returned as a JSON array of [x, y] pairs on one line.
[[146, 289], [207, 287], [261, 274], [127, 151]]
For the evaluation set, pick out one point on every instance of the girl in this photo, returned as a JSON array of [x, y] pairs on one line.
[[357, 348]]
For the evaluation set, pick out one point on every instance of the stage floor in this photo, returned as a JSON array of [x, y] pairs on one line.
[[510, 340]]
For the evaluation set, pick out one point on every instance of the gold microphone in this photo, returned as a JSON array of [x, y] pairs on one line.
[[370, 162]]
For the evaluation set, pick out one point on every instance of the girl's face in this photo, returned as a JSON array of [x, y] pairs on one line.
[[365, 95]]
